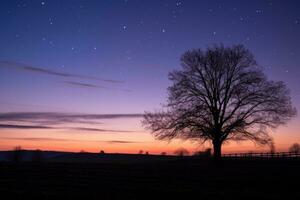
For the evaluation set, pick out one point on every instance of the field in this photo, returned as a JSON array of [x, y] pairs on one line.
[[150, 179]]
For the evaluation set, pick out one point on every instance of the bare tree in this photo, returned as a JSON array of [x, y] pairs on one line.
[[272, 147], [221, 94], [295, 148]]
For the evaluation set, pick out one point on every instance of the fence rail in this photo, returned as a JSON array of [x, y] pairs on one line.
[[281, 155]]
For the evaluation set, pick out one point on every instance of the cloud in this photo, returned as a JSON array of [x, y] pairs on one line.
[[29, 68], [83, 84], [120, 142], [13, 126], [80, 84], [60, 117], [99, 130], [48, 120], [39, 139], [48, 139]]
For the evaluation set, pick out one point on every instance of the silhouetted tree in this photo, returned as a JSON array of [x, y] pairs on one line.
[[221, 94], [102, 152], [17, 154], [272, 148], [295, 148], [163, 153], [141, 151], [181, 152]]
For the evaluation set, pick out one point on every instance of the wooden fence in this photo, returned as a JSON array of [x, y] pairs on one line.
[[277, 155]]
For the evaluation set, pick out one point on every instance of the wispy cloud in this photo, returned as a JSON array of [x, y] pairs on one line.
[[83, 84], [48, 120], [100, 130], [39, 139], [48, 139], [53, 117], [13, 126], [80, 84], [33, 69], [121, 142]]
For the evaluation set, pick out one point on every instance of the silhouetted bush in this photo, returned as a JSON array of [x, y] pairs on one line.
[[205, 153], [181, 152], [102, 152]]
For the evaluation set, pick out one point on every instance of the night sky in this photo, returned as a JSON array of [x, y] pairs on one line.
[[96, 58]]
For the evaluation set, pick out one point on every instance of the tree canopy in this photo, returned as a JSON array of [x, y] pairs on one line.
[[221, 94]]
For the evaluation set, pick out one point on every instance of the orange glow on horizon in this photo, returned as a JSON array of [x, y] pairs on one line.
[[127, 142]]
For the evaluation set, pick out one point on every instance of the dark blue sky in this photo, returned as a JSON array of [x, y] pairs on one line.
[[135, 42]]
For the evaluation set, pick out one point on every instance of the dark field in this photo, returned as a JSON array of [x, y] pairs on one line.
[[181, 177]]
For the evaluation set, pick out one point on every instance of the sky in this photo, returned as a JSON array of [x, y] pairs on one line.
[[78, 75]]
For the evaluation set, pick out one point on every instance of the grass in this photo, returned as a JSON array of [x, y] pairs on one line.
[[182, 177]]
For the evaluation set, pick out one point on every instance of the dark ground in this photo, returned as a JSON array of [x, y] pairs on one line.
[[190, 178]]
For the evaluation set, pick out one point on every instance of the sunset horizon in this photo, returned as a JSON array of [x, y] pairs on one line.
[[80, 75], [149, 99]]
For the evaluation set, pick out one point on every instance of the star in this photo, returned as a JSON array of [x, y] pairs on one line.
[[163, 30], [179, 3], [50, 21], [214, 33], [42, 3], [124, 27], [258, 11]]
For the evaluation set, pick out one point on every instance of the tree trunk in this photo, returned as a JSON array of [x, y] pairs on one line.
[[217, 150]]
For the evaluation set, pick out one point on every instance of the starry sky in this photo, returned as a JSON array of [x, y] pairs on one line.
[[78, 74]]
